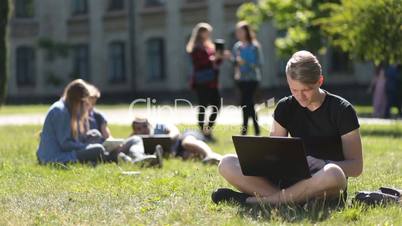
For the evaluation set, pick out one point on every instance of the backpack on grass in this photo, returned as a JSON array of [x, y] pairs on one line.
[[383, 196]]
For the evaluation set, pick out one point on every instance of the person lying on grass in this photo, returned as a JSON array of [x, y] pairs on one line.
[[186, 145], [63, 135], [315, 115], [131, 150]]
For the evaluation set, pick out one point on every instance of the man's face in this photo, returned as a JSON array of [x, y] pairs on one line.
[[141, 128], [304, 93]]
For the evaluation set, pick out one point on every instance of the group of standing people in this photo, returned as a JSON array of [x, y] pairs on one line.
[[207, 57]]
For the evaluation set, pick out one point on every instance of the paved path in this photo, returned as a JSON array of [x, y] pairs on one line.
[[181, 115]]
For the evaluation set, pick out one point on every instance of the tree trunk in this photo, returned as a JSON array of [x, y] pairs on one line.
[[4, 16]]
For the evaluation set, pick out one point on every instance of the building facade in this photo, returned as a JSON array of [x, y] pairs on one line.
[[125, 46]]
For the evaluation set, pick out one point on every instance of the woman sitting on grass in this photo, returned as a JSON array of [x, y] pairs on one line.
[[63, 134]]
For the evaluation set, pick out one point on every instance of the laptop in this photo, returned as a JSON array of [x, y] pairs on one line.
[[282, 158], [150, 142]]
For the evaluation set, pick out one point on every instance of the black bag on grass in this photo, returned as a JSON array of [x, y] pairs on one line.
[[383, 196]]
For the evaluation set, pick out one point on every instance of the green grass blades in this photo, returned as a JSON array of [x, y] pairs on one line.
[[178, 194], [362, 111]]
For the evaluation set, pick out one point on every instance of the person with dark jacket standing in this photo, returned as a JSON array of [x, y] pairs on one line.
[[392, 89], [204, 80]]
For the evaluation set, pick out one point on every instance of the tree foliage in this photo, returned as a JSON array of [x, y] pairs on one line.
[[294, 18], [368, 29]]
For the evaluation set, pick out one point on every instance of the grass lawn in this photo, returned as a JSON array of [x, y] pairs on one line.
[[179, 194], [362, 110]]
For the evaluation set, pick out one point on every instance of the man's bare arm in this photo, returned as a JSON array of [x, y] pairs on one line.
[[352, 166], [277, 130]]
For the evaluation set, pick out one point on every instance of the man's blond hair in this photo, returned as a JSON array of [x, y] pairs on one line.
[[304, 67], [94, 91]]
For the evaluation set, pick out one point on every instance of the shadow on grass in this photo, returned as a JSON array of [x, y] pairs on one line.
[[365, 115], [57, 166], [313, 211], [383, 132], [68, 166], [370, 115]]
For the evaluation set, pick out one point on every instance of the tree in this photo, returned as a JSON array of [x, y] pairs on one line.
[[368, 30], [293, 17], [4, 16]]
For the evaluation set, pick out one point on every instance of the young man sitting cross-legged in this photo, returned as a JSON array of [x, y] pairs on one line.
[[329, 128]]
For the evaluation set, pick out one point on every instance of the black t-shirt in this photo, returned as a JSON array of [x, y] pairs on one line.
[[321, 130]]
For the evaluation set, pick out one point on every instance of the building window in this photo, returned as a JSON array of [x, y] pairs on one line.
[[25, 66], [117, 66], [79, 7], [24, 8], [340, 62], [195, 1], [81, 62], [155, 59], [115, 5], [154, 3]]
